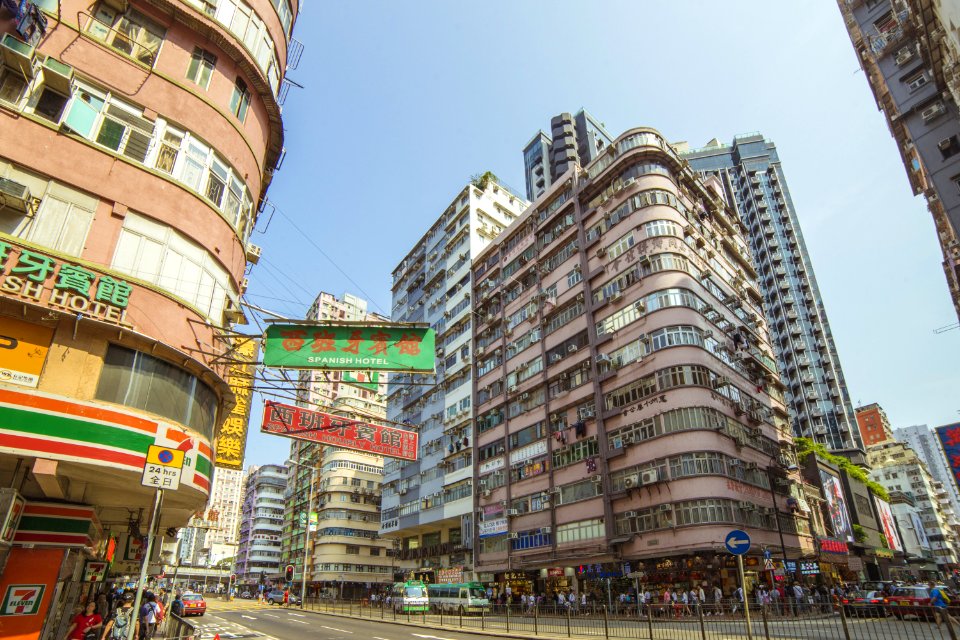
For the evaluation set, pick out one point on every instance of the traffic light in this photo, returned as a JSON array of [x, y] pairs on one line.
[[263, 577], [288, 573], [233, 577]]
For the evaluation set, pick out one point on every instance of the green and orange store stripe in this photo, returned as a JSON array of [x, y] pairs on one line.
[[42, 425]]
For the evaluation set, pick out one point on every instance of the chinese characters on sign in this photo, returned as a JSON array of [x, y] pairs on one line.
[[162, 468], [40, 279], [232, 436], [833, 546], [314, 426], [350, 347]]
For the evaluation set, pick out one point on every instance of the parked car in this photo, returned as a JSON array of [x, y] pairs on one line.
[[275, 596], [867, 604], [914, 600], [194, 604], [246, 595]]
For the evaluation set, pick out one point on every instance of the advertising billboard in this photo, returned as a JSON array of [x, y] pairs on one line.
[[232, 435], [888, 525], [350, 347], [949, 436], [324, 428], [836, 506], [920, 531]]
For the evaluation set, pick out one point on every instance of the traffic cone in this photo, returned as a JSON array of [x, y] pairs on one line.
[[216, 636]]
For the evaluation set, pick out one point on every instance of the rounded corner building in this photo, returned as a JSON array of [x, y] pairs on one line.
[[138, 141], [629, 414]]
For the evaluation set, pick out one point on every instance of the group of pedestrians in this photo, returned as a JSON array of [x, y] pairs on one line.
[[110, 614]]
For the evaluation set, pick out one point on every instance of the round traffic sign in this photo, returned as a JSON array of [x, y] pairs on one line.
[[165, 456], [737, 542]]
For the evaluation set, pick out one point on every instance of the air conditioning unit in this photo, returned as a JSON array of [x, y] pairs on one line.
[[524, 395], [597, 479], [629, 514], [14, 195], [903, 56], [253, 253], [486, 493], [601, 252], [640, 307], [649, 477], [613, 297], [934, 110], [604, 358], [556, 358], [585, 414], [546, 530], [244, 283], [631, 481], [513, 512], [664, 508], [572, 348], [746, 506], [627, 439], [751, 466], [512, 389], [481, 351]]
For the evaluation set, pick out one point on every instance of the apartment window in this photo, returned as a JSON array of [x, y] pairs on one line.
[[620, 246], [582, 530], [200, 69], [352, 550], [375, 551], [131, 33], [240, 101], [61, 225], [140, 381], [156, 253], [917, 80], [11, 85], [50, 105]]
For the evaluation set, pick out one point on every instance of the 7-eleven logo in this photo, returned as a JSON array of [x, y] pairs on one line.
[[22, 600]]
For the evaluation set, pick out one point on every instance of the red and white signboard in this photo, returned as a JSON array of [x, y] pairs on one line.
[[324, 428]]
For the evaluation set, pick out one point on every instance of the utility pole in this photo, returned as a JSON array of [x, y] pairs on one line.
[[141, 584]]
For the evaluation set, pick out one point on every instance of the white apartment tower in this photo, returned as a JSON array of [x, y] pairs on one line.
[[428, 505]]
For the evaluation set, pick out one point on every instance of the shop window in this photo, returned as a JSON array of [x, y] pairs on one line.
[[50, 105], [141, 381]]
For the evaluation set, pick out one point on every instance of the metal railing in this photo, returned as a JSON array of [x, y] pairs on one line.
[[176, 628], [820, 621]]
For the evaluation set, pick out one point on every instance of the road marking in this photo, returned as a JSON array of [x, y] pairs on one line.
[[335, 629], [299, 615], [379, 638], [247, 617], [299, 622], [271, 615], [431, 637]]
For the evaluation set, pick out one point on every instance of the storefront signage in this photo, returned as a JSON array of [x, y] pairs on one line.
[[809, 568], [232, 436], [745, 489], [515, 576], [555, 572], [883, 553], [920, 532], [492, 465], [950, 441], [347, 347], [40, 279], [489, 528], [22, 600], [854, 563], [599, 571], [450, 576], [324, 428], [530, 451], [833, 546], [11, 508], [95, 571], [23, 350]]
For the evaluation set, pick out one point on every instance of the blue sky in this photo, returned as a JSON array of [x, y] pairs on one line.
[[403, 102]]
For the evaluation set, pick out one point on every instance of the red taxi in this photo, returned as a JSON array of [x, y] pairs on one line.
[[914, 600], [194, 604]]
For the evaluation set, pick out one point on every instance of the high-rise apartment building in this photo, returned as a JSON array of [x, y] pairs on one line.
[[754, 184], [345, 547], [573, 139], [136, 140], [898, 468], [925, 443], [428, 504], [910, 54], [873, 424], [628, 409], [261, 524], [212, 533]]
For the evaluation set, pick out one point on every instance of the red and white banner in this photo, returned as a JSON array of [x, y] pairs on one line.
[[324, 428]]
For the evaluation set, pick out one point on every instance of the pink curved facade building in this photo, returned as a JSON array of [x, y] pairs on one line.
[[137, 140], [629, 414]]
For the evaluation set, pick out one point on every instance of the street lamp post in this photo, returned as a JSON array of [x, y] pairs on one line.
[[306, 538]]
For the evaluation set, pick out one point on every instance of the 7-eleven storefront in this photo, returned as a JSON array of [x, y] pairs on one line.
[[74, 514]]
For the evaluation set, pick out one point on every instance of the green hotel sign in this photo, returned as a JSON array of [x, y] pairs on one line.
[[348, 347]]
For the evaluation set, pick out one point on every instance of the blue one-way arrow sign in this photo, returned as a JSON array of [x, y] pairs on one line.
[[737, 542]]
